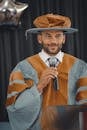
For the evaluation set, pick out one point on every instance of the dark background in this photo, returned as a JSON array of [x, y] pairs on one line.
[[14, 46]]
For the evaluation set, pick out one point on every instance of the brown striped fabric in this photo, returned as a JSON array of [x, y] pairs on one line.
[[17, 85], [59, 97], [82, 89]]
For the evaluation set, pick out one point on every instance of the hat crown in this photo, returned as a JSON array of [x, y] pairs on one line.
[[52, 20]]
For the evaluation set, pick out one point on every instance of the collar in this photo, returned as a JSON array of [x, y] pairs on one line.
[[44, 56]]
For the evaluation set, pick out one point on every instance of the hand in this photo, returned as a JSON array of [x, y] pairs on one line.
[[46, 76]]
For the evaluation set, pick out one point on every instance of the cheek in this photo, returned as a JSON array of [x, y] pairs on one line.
[[45, 41], [61, 41]]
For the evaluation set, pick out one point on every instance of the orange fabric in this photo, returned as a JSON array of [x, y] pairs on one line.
[[17, 87], [49, 118], [11, 100], [16, 75], [81, 95], [50, 96], [52, 20], [82, 82], [29, 82]]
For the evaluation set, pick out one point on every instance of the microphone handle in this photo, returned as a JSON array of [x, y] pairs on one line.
[[55, 83]]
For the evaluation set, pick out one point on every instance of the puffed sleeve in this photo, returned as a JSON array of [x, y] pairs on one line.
[[23, 99], [81, 95]]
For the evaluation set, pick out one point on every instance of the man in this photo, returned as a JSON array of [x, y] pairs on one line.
[[48, 78]]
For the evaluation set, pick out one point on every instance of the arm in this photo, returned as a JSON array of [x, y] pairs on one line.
[[26, 102], [23, 100], [81, 95]]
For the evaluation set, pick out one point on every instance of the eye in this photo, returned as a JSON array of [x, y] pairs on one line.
[[48, 36], [59, 36]]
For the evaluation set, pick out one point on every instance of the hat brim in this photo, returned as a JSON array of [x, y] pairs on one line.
[[38, 30]]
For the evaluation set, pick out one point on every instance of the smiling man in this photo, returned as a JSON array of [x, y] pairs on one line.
[[51, 41], [48, 78]]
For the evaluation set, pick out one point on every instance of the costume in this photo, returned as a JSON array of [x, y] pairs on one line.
[[72, 77]]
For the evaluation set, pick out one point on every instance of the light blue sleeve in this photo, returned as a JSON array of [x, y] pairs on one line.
[[78, 71], [24, 113]]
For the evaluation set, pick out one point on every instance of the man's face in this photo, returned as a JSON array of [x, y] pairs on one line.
[[51, 41]]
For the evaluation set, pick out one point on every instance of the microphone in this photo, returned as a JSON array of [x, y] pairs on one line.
[[52, 63]]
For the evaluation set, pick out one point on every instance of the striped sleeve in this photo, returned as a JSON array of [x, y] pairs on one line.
[[23, 99], [16, 86], [81, 95], [22, 77]]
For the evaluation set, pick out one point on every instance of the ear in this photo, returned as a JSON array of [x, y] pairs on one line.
[[39, 38], [64, 38]]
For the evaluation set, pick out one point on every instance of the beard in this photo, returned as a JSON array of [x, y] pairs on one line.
[[46, 48]]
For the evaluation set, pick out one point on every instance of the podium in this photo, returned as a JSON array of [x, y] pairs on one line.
[[84, 120], [59, 118], [62, 118]]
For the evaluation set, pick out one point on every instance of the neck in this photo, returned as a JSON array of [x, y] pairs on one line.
[[51, 54]]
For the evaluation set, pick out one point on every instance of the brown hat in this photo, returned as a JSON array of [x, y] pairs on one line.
[[52, 22]]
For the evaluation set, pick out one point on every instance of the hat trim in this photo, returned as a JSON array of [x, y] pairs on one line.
[[38, 30]]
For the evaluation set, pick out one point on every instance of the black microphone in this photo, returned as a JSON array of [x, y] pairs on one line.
[[52, 63]]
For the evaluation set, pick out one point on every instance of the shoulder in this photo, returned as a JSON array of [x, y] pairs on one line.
[[79, 66], [32, 57], [70, 57], [77, 63], [24, 64], [25, 67]]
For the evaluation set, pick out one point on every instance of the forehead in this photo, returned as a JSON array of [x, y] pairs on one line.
[[50, 32]]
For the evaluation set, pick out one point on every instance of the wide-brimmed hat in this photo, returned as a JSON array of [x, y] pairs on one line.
[[52, 22]]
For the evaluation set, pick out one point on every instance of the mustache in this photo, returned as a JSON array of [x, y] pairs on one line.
[[53, 44]]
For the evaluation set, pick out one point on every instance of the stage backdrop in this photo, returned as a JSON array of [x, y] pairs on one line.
[[14, 46]]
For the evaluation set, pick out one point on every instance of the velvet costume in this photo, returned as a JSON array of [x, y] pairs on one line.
[[24, 102]]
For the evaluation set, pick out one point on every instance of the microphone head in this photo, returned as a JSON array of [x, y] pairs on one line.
[[52, 61]]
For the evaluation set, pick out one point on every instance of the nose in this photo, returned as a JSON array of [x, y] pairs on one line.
[[54, 40]]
